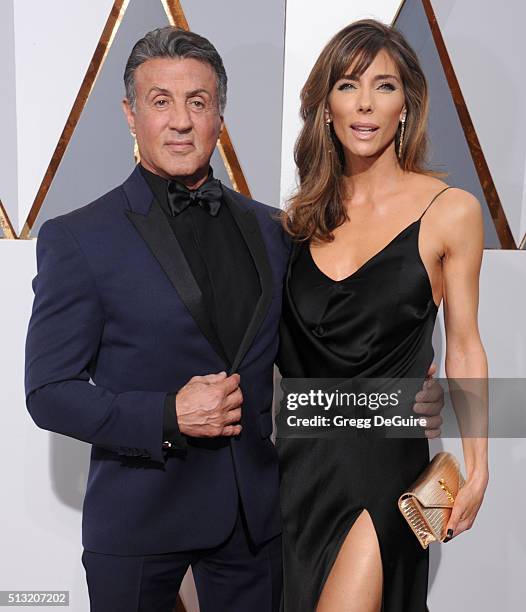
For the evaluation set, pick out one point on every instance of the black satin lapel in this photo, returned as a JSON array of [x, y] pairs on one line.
[[249, 227], [158, 235]]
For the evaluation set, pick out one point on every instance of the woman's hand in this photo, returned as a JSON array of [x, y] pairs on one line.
[[429, 404], [466, 506]]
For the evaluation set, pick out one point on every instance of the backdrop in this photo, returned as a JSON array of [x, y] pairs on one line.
[[62, 63]]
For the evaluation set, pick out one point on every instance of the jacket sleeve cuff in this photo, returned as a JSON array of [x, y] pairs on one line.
[[172, 437]]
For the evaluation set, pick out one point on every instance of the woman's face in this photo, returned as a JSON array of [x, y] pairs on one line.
[[365, 110]]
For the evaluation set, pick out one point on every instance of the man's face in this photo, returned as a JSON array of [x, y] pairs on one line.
[[176, 117]]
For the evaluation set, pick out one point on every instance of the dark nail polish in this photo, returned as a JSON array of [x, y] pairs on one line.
[[449, 535]]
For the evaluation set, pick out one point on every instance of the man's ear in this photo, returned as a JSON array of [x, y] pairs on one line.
[[130, 117]]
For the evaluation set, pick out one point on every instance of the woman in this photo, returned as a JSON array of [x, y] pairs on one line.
[[380, 242]]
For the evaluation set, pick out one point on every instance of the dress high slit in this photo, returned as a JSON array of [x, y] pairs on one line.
[[376, 323], [340, 543]]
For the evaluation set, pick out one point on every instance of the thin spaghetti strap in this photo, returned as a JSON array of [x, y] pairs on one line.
[[428, 206]]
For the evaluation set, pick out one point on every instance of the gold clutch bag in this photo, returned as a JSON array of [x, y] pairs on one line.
[[427, 505]]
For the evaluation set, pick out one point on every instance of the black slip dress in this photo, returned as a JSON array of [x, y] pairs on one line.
[[378, 322]]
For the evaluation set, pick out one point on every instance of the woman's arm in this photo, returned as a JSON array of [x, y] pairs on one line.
[[465, 355]]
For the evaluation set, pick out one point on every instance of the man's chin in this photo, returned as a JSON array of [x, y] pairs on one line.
[[187, 174], [185, 170]]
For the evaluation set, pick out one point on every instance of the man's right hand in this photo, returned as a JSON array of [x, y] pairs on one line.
[[210, 406]]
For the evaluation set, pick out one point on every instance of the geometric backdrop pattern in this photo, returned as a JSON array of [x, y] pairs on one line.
[[455, 146], [95, 136], [42, 461], [75, 148], [472, 52], [486, 43]]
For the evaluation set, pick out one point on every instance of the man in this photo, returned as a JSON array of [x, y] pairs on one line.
[[166, 293]]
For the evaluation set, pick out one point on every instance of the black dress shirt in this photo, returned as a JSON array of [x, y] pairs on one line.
[[225, 273]]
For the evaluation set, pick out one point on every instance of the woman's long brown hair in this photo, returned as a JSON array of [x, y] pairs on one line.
[[317, 207]]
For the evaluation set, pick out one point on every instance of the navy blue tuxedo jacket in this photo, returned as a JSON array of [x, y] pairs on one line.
[[118, 321]]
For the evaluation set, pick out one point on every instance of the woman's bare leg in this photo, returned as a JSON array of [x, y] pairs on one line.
[[355, 581]]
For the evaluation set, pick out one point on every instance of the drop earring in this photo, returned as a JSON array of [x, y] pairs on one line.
[[328, 132], [401, 141]]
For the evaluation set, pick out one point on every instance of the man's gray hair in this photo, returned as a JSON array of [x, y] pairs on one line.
[[179, 44]]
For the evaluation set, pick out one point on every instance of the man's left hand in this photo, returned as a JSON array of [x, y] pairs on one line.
[[429, 403]]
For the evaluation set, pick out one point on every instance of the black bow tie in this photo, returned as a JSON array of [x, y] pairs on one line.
[[208, 197]]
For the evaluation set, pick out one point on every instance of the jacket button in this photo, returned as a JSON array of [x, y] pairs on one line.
[[319, 331]]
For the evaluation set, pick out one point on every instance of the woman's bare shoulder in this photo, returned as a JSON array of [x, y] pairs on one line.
[[458, 218], [454, 204], [459, 205]]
